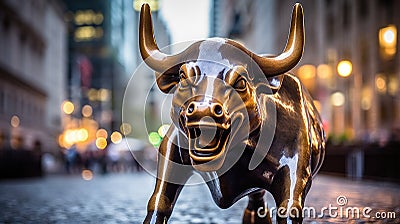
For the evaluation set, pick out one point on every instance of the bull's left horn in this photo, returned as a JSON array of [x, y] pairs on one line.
[[282, 63], [149, 50]]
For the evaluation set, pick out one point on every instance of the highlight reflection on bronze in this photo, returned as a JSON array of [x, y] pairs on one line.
[[226, 102]]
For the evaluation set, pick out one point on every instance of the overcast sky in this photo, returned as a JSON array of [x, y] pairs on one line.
[[186, 19]]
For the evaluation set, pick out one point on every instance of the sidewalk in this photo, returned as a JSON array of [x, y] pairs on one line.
[[122, 198]]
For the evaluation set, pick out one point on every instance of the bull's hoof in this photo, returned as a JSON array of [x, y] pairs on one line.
[[260, 216], [294, 214], [155, 218]]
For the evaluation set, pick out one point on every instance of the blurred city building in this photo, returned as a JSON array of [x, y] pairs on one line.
[[32, 73], [351, 66], [103, 54], [100, 60], [362, 105], [143, 85], [96, 71], [249, 22]]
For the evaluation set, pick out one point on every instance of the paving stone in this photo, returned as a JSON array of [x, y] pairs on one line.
[[122, 198]]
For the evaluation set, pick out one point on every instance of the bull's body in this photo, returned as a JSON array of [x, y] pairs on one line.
[[282, 160], [223, 114], [294, 157]]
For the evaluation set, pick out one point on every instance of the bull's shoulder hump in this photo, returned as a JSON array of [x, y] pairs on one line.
[[291, 87]]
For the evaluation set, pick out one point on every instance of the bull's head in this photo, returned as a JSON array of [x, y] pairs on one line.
[[214, 82]]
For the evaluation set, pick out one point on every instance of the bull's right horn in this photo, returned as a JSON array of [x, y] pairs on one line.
[[149, 50]]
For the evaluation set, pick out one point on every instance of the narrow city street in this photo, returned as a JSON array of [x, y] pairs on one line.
[[122, 198]]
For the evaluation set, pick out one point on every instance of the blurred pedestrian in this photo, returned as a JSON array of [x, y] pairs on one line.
[[71, 158], [37, 157]]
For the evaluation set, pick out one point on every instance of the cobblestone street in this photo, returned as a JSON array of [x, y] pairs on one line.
[[122, 198]]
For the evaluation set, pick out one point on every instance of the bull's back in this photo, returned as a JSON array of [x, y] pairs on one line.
[[292, 91], [318, 138], [316, 130]]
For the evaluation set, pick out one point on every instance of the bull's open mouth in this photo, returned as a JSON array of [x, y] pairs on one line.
[[206, 142]]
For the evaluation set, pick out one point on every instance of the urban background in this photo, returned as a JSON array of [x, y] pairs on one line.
[[64, 66]]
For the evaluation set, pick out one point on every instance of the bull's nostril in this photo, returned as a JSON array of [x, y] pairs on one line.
[[218, 109], [190, 108]]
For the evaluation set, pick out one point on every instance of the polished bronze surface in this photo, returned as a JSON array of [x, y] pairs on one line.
[[239, 121]]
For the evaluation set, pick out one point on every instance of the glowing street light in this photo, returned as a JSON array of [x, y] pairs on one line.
[[387, 36], [388, 40], [344, 68]]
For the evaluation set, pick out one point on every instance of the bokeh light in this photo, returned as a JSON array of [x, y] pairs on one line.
[[87, 175], [92, 94], [116, 137], [162, 131], [82, 134], [103, 95], [125, 128], [337, 99], [15, 121], [101, 143], [380, 83], [87, 111], [101, 133], [68, 107], [324, 71], [70, 137], [154, 138], [306, 72], [387, 36], [344, 68]]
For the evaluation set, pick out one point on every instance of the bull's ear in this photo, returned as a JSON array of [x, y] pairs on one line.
[[167, 83], [271, 87], [275, 83]]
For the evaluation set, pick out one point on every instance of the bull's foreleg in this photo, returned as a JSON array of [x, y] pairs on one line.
[[171, 177], [256, 212], [290, 187]]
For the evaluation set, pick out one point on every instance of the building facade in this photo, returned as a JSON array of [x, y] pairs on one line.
[[362, 106], [32, 72], [103, 55], [146, 107]]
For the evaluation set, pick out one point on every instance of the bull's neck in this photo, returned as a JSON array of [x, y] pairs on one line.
[[253, 137]]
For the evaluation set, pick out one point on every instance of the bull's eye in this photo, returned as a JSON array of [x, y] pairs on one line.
[[183, 80], [240, 84], [182, 75]]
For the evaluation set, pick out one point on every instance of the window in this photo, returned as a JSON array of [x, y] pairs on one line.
[[363, 10], [346, 14], [329, 28]]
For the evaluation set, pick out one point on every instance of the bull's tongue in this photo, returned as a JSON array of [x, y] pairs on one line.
[[207, 140], [205, 137]]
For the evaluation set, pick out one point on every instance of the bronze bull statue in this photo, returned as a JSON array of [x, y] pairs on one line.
[[239, 120]]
